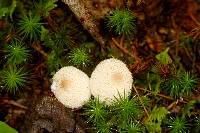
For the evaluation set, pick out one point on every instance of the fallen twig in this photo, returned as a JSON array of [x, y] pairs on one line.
[[145, 110], [161, 95], [84, 15], [122, 48], [38, 48], [14, 103], [175, 103]]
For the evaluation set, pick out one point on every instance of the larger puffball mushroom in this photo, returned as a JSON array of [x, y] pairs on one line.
[[71, 87], [110, 80]]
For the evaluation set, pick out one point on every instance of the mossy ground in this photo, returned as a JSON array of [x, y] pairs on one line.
[[161, 48]]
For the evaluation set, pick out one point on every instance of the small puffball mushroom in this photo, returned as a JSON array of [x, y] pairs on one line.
[[110, 80], [71, 87]]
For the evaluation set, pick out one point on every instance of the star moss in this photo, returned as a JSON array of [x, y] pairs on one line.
[[180, 84], [122, 22], [17, 52], [96, 111], [79, 57], [178, 125], [30, 26], [13, 78], [125, 110]]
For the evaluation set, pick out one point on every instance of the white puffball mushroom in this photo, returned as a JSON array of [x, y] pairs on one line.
[[110, 80], [71, 87]]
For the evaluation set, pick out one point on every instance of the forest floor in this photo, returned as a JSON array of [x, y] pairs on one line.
[[160, 24]]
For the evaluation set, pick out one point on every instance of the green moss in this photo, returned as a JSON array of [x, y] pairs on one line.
[[17, 52], [122, 22], [13, 78], [135, 127], [125, 110], [105, 127], [197, 124], [64, 37], [188, 82], [180, 85], [30, 26], [44, 6], [54, 62], [178, 125], [173, 87], [79, 57], [7, 8], [163, 57], [157, 115], [122, 116], [96, 111]]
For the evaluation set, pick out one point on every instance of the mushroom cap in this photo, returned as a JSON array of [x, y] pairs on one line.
[[110, 80], [71, 87]]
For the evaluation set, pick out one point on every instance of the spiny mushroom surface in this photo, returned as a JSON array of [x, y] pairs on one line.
[[71, 87], [111, 79]]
